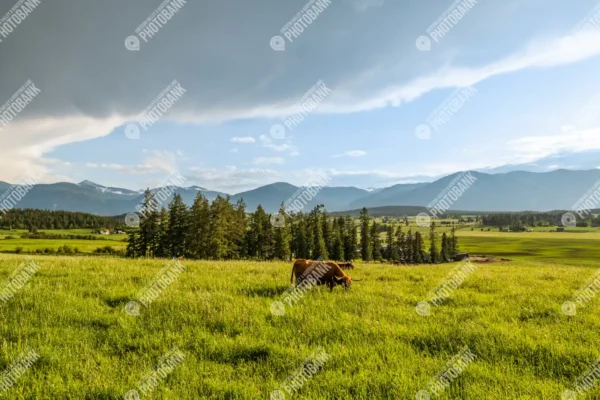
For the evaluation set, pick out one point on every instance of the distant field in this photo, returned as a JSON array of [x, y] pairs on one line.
[[218, 315], [84, 246]]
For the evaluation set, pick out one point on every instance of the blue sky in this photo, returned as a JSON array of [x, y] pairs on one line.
[[535, 77]]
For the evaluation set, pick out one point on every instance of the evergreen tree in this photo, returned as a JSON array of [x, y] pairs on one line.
[[338, 245], [149, 233], [300, 239], [319, 250], [375, 242], [446, 243], [199, 228], [349, 241], [178, 227], [218, 244], [434, 255], [162, 250], [418, 249], [132, 244], [365, 240], [389, 241], [453, 242], [283, 238]]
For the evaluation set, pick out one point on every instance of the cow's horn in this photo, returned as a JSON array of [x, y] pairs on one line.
[[337, 278]]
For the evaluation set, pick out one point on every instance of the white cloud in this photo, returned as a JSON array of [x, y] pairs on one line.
[[351, 153], [271, 144], [246, 139], [158, 162], [533, 148], [268, 160]]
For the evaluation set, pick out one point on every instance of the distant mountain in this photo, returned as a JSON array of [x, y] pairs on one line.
[[583, 160], [385, 197], [512, 191], [271, 196]]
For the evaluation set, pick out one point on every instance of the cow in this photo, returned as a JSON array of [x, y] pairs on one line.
[[346, 265], [324, 272]]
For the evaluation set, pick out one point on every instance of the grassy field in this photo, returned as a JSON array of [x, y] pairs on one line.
[[218, 314]]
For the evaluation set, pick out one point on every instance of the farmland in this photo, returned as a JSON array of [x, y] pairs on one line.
[[218, 314]]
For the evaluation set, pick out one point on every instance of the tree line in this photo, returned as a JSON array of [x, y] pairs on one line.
[[222, 230], [32, 219]]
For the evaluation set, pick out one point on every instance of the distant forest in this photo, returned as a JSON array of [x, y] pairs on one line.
[[45, 219], [222, 230]]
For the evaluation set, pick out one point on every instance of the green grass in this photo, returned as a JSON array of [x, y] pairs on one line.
[[218, 314]]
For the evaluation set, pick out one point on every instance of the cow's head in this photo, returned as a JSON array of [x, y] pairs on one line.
[[345, 281]]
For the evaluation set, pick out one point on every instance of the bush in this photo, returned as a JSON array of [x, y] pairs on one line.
[[19, 250]]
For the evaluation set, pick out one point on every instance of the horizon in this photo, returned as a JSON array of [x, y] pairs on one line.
[[369, 189]]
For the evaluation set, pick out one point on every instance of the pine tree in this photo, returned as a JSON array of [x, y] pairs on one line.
[[199, 228], [132, 244], [445, 253], [434, 255], [283, 238], [349, 240], [365, 240], [217, 248], [300, 239], [389, 241], [319, 249], [418, 249], [162, 250], [149, 232], [453, 242], [338, 245], [375, 242], [177, 231]]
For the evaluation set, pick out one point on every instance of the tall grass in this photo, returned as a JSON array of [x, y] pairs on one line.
[[218, 314]]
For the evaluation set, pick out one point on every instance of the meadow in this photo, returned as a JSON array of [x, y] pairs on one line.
[[218, 314]]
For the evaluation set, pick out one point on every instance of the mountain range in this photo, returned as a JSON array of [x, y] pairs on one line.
[[512, 191]]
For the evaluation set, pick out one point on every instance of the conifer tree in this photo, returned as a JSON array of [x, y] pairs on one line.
[[199, 228], [434, 255], [365, 240], [178, 227], [162, 249], [149, 238], [283, 237], [445, 253], [375, 242]]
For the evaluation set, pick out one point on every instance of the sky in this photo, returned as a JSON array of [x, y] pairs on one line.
[[508, 82]]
